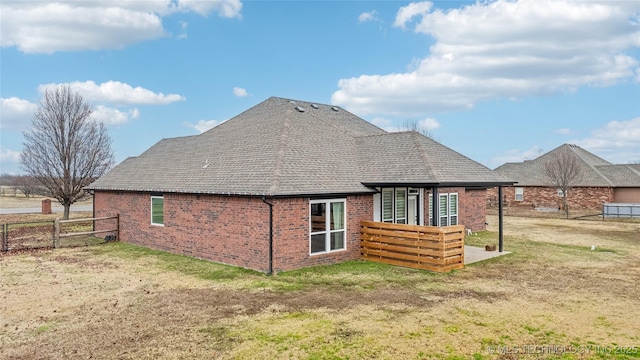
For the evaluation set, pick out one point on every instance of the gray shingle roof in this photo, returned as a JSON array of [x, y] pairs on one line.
[[621, 175], [275, 149], [596, 172]]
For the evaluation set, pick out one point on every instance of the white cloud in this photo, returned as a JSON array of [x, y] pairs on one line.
[[15, 113], [117, 93], [69, 25], [406, 13], [516, 155], [183, 25], [112, 116], [617, 141], [368, 16], [204, 125], [9, 161], [9, 155], [385, 124], [502, 49], [240, 92], [429, 124], [226, 8]]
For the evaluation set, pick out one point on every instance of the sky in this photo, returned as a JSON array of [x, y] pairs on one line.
[[498, 81]]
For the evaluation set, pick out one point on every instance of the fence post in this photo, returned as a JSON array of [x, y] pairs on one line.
[[118, 227], [56, 236], [5, 237]]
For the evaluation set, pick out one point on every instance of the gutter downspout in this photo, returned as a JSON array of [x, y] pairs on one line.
[[264, 200]]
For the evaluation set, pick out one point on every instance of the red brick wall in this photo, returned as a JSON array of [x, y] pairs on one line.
[[291, 233], [471, 207], [579, 198], [230, 230]]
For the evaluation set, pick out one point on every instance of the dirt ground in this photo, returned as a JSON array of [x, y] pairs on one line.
[[553, 297]]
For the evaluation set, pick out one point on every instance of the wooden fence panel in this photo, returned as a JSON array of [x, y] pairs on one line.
[[432, 248]]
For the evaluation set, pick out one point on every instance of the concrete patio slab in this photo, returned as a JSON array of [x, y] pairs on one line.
[[474, 254]]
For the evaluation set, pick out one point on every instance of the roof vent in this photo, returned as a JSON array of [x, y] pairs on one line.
[[314, 106], [334, 108], [300, 109]]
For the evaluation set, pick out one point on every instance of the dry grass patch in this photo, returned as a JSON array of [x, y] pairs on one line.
[[121, 301], [22, 202]]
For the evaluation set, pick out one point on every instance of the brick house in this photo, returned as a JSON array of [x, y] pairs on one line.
[[285, 184], [601, 182]]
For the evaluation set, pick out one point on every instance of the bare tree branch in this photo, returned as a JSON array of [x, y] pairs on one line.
[[563, 171], [413, 125], [65, 150]]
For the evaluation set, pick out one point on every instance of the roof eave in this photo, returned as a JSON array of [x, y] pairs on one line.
[[479, 184], [242, 193]]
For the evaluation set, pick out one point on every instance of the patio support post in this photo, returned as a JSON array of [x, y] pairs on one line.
[[434, 205], [500, 223]]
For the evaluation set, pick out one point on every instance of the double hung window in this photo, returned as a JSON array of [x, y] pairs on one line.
[[447, 209], [394, 205], [328, 225]]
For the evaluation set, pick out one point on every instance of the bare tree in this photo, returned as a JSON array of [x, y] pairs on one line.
[[563, 171], [28, 185], [414, 125], [65, 150]]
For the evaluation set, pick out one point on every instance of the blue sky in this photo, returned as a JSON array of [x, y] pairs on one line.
[[497, 81]]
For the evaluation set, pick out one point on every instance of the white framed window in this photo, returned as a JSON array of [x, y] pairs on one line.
[[394, 205], [447, 207], [560, 193], [387, 205], [453, 209], [328, 225], [157, 210], [519, 194]]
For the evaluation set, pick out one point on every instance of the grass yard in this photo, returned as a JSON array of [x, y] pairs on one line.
[[553, 297]]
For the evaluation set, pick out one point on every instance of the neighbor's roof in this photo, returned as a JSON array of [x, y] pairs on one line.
[[596, 172], [286, 147], [621, 175]]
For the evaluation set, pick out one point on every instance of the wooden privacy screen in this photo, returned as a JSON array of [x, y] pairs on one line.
[[432, 248]]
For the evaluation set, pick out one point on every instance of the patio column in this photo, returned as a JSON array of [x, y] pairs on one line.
[[500, 240], [434, 206]]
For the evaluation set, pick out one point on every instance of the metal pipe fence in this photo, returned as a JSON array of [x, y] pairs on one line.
[[620, 210]]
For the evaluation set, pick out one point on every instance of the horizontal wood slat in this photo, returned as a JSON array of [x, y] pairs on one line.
[[439, 249]]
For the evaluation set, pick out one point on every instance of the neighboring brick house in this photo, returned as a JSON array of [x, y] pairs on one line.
[[285, 184], [601, 182]]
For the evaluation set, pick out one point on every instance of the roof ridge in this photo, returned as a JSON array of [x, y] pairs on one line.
[[422, 151], [633, 169], [589, 164], [276, 176]]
